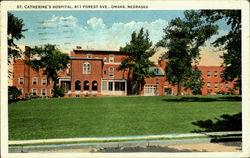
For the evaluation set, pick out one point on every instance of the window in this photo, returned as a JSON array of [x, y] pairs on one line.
[[86, 85], [216, 85], [157, 81], [111, 72], [34, 91], [34, 82], [227, 85], [89, 56], [86, 68], [68, 71], [94, 86], [51, 91], [110, 86], [21, 80], [119, 86], [208, 74], [215, 74], [44, 81], [150, 90], [77, 85], [104, 59], [111, 58], [208, 85], [104, 85], [44, 92], [21, 90]]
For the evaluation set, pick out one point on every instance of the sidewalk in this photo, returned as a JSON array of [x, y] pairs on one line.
[[129, 142], [121, 138]]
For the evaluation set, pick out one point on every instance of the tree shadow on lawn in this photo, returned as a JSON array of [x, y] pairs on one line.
[[202, 99], [226, 122]]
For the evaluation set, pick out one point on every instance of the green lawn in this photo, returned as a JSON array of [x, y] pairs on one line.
[[113, 116]]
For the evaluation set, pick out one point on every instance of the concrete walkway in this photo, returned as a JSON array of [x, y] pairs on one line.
[[123, 138]]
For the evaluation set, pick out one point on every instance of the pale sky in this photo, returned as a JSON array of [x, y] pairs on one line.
[[102, 30]]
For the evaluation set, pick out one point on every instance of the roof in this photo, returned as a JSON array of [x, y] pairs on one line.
[[157, 71], [82, 51], [78, 58]]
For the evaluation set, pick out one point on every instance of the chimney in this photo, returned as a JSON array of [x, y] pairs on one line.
[[27, 53], [78, 47]]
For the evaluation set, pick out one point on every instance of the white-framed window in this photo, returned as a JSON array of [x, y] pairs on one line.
[[34, 91], [21, 80], [111, 72], [104, 85], [119, 86], [208, 85], [111, 58], [216, 85], [89, 56], [34, 81], [208, 74], [44, 92], [86, 68], [44, 81], [110, 86], [21, 90], [150, 90], [215, 74]]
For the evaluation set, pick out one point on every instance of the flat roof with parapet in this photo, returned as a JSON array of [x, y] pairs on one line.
[[98, 51]]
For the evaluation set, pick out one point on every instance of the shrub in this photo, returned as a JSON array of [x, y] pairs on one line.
[[13, 93], [58, 91]]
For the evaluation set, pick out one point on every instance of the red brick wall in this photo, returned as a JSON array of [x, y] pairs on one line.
[[100, 70], [213, 80], [20, 69], [78, 75]]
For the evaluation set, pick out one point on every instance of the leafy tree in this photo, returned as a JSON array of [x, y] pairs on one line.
[[13, 93], [183, 38], [51, 60], [15, 32], [195, 81], [230, 42], [138, 51]]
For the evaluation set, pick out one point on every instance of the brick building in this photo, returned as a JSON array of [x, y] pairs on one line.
[[94, 73]]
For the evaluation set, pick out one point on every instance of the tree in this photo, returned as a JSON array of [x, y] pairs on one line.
[[51, 60], [183, 38], [15, 32], [13, 93], [138, 51], [231, 42]]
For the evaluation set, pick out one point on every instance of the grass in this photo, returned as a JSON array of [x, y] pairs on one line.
[[113, 116]]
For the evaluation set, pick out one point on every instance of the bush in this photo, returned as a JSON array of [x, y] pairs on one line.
[[13, 93], [58, 91], [197, 92]]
